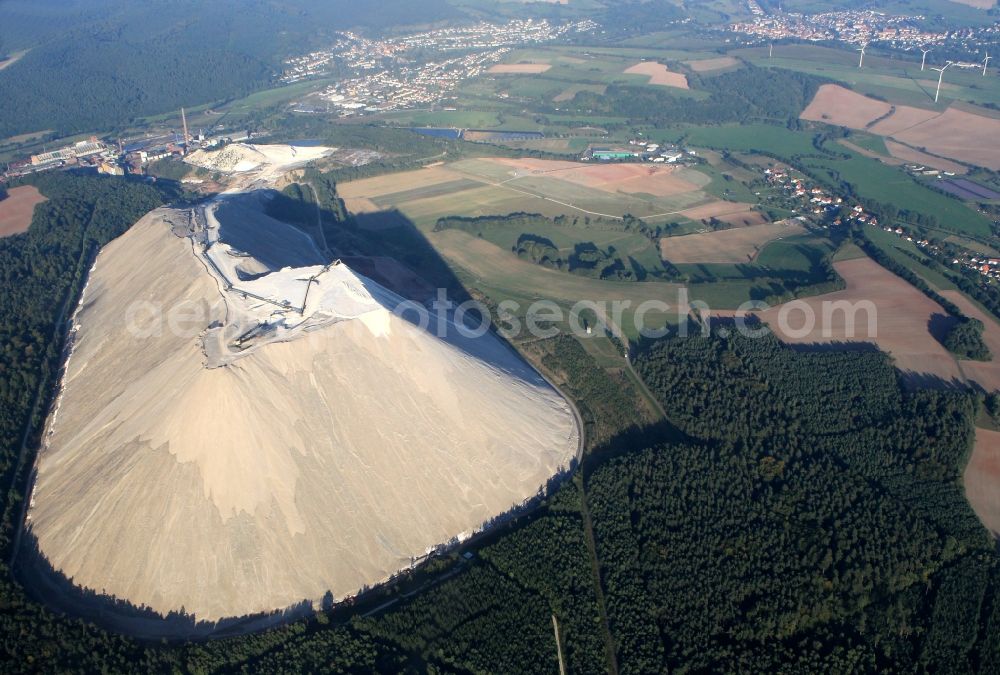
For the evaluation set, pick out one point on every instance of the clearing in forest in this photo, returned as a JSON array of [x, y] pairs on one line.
[[16, 210], [658, 74], [838, 105], [982, 479]]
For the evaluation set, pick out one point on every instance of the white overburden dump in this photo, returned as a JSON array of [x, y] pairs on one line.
[[303, 438], [245, 157]]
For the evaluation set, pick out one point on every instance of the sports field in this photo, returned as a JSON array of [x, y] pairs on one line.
[[16, 210]]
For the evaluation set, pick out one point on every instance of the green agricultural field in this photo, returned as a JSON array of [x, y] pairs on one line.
[[868, 177], [903, 252], [800, 253], [729, 183], [395, 198], [752, 138], [870, 142], [494, 271], [872, 179], [848, 251], [535, 87], [484, 260], [458, 119]]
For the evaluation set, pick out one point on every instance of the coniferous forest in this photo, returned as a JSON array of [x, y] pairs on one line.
[[799, 511]]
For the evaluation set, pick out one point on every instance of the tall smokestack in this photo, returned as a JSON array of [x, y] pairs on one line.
[[185, 123]]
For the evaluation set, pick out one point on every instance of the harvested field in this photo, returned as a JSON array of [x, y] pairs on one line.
[[425, 192], [360, 205], [838, 105], [901, 326], [498, 186], [17, 209], [396, 182], [903, 117], [960, 135], [738, 245], [982, 479], [910, 155], [717, 209], [658, 74], [746, 218], [547, 144], [709, 65], [659, 181], [955, 134], [519, 68], [24, 138]]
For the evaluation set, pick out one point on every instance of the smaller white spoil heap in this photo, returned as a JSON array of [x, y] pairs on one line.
[[246, 157]]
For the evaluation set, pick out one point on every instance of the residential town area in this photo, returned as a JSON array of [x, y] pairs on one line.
[[861, 27], [379, 75]]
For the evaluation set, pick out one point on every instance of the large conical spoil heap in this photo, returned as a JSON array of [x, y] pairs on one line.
[[283, 435]]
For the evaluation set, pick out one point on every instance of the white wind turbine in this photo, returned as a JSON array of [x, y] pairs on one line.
[[986, 63], [941, 78], [861, 62], [923, 61]]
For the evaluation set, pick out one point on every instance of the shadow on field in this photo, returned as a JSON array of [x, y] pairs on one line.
[[939, 325]]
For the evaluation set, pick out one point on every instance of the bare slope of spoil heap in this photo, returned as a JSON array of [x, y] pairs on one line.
[[321, 463]]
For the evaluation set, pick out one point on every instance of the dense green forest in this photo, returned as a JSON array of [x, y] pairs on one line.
[[97, 66], [965, 339], [819, 524], [750, 94]]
